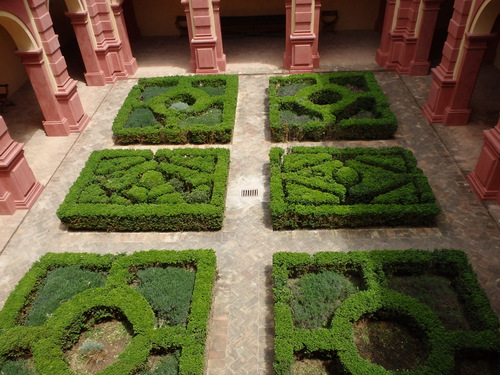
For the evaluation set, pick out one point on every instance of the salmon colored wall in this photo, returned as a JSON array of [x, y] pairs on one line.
[[11, 69], [353, 14], [157, 17]]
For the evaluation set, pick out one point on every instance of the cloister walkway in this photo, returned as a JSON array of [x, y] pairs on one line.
[[240, 339]]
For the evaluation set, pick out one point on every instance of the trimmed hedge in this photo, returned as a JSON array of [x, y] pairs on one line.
[[136, 190], [178, 110], [315, 107], [337, 340], [117, 299], [327, 187]]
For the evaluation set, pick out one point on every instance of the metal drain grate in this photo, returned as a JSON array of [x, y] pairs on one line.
[[250, 193]]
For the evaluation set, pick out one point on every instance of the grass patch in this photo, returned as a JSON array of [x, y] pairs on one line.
[[316, 296], [18, 367], [436, 292], [212, 117], [168, 291], [56, 289]]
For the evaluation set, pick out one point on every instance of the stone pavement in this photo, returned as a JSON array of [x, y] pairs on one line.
[[240, 338]]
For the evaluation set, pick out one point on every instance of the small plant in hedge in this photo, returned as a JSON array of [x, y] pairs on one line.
[[135, 190], [81, 326], [326, 187], [315, 107], [178, 110], [376, 330]]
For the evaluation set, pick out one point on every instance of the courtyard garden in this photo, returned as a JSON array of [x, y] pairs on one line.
[[144, 313], [178, 110], [382, 312], [327, 187], [317, 107], [136, 190]]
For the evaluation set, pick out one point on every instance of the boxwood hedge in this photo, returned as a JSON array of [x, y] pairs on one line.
[[314, 107], [177, 110], [46, 344], [136, 190], [374, 268], [327, 187]]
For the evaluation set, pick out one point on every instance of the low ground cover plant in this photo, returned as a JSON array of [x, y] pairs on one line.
[[136, 190], [191, 109], [125, 326], [327, 187], [315, 107], [378, 328]]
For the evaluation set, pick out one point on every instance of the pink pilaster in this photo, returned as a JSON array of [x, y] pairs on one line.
[[109, 49], [420, 64], [485, 179], [301, 53], [444, 80], [94, 74], [458, 111], [129, 60], [19, 188], [55, 123], [206, 55], [221, 57]]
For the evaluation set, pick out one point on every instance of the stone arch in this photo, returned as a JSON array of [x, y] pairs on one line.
[[485, 17], [21, 35]]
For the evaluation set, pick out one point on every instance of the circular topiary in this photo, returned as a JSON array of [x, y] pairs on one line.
[[346, 176]]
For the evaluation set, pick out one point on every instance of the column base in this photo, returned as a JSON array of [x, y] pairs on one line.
[[95, 79], [31, 197], [57, 128], [430, 116], [419, 69], [480, 190], [7, 204], [456, 117], [82, 124], [131, 66]]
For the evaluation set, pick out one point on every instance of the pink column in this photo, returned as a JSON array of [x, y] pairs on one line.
[[382, 56], [420, 64], [94, 74], [109, 49], [129, 60], [19, 188], [205, 58], [444, 81], [458, 111], [301, 54], [485, 179]]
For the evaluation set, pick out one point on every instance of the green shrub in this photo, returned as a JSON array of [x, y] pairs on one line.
[[316, 107], [326, 187], [178, 110], [182, 189], [17, 367], [168, 291]]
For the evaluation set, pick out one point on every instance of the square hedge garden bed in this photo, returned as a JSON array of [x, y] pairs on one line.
[[178, 110], [136, 190], [71, 312], [316, 107], [327, 187], [382, 312]]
